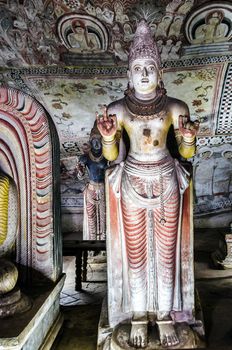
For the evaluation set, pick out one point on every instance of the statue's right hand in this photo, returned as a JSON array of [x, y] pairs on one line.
[[107, 124]]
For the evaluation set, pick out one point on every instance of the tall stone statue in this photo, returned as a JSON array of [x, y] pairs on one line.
[[94, 227], [149, 242]]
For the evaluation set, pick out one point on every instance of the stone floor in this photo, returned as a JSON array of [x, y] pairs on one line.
[[81, 309]]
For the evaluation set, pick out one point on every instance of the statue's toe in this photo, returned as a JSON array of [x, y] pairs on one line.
[[139, 342], [169, 340], [164, 342]]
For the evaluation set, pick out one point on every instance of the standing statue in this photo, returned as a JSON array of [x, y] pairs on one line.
[[94, 227], [149, 248]]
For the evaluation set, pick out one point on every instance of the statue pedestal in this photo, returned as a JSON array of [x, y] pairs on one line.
[[38, 327], [190, 336], [187, 337]]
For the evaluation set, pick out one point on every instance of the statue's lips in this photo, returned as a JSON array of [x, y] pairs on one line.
[[145, 80]]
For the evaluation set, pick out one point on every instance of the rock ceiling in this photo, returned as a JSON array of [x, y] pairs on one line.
[[73, 32]]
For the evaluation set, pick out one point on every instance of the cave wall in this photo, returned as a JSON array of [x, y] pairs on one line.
[[72, 57]]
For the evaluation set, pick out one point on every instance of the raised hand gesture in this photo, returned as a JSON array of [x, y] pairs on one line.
[[107, 124], [188, 129]]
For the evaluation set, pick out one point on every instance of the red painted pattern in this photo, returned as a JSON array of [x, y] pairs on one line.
[[30, 135]]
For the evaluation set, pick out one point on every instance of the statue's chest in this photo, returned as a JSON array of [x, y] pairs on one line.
[[148, 125]]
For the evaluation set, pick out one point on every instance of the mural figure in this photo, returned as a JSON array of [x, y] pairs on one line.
[[163, 26], [80, 40], [175, 27], [174, 53], [128, 34], [119, 50], [166, 49], [173, 5], [213, 30], [108, 15], [94, 194], [144, 196], [186, 7], [120, 16]]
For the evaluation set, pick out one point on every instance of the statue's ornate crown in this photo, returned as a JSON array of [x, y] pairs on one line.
[[143, 45]]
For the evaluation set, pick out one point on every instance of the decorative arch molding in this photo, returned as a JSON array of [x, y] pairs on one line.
[[29, 153]]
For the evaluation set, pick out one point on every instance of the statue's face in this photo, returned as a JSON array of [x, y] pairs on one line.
[[96, 144], [214, 20], [143, 75]]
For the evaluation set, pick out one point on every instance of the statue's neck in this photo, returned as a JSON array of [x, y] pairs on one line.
[[149, 106], [96, 153], [145, 97]]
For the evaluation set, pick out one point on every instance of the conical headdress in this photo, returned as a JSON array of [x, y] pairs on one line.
[[143, 45]]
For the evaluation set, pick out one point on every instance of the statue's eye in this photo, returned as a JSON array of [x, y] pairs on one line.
[[151, 68], [137, 69]]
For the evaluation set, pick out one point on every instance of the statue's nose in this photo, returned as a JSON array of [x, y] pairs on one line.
[[144, 72]]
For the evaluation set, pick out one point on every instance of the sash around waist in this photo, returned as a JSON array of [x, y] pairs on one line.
[[148, 169]]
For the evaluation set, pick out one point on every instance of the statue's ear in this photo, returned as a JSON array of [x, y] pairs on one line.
[[130, 84], [160, 73]]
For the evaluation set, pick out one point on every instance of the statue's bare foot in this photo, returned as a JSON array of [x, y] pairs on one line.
[[167, 333], [138, 334]]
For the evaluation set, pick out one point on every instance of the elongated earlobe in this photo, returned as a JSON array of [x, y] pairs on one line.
[[130, 84], [160, 83]]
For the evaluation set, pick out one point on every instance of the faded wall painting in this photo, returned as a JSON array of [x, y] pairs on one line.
[[82, 33], [209, 24], [73, 103], [71, 56], [203, 96], [56, 31], [73, 99]]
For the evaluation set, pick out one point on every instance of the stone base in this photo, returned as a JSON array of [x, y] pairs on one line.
[[14, 303], [120, 338], [190, 336], [36, 328]]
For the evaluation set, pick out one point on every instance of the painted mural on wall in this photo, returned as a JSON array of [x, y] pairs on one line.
[[28, 154], [43, 32], [67, 99], [210, 24], [73, 103], [81, 32], [202, 98], [56, 31]]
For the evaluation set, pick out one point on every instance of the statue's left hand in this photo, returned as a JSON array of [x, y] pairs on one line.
[[188, 129]]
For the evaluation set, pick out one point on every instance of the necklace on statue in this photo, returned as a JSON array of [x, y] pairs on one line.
[[146, 110], [95, 158]]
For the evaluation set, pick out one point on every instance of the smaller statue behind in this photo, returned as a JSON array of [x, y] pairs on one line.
[[94, 223]]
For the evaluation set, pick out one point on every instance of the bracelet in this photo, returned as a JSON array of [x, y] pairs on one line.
[[164, 322], [139, 322], [188, 142], [108, 143]]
